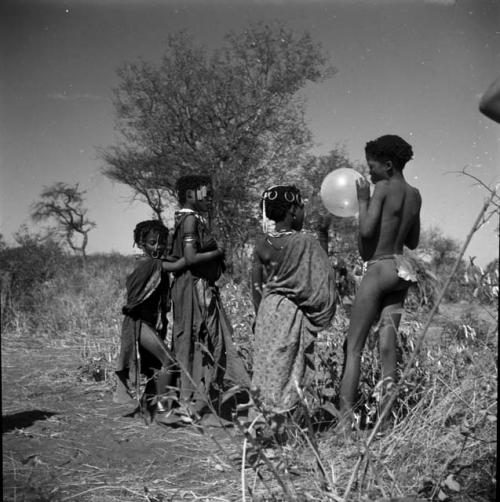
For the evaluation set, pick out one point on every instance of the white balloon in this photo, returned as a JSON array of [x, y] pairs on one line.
[[338, 192]]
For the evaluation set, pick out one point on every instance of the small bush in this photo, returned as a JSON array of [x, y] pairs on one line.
[[69, 298], [25, 270]]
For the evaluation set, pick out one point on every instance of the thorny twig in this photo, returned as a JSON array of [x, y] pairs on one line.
[[478, 182], [495, 200]]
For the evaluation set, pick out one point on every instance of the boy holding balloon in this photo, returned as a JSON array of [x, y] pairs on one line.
[[388, 221]]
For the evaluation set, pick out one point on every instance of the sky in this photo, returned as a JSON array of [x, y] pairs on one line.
[[415, 68]]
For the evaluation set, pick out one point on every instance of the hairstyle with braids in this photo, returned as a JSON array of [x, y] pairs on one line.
[[390, 147], [190, 182], [144, 227], [279, 199]]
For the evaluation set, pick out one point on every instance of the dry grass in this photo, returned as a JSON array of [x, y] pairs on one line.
[[442, 445]]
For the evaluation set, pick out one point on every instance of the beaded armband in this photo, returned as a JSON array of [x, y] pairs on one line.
[[191, 237]]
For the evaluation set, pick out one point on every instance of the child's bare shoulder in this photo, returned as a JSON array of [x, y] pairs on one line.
[[383, 186], [413, 191]]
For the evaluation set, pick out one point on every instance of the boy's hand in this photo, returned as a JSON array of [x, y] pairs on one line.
[[363, 189]]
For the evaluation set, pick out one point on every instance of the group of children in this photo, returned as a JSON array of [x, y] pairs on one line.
[[186, 380], [294, 295]]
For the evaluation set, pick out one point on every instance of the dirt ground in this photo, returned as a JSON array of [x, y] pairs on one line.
[[64, 439]]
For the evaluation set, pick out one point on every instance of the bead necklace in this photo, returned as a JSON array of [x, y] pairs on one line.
[[280, 233]]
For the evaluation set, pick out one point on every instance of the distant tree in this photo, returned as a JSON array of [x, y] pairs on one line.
[[441, 252], [234, 114], [25, 266], [63, 204], [3, 243]]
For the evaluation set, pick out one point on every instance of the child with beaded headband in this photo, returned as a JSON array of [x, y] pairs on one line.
[[292, 196], [294, 297], [143, 349], [202, 335]]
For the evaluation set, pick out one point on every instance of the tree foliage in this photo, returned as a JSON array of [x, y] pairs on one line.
[[63, 204], [440, 253], [3, 243], [234, 114], [24, 268], [441, 250]]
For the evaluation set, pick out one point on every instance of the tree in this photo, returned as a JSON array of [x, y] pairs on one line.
[[3, 243], [25, 267], [440, 252], [234, 114], [63, 204]]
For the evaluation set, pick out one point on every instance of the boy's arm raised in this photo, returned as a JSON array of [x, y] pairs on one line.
[[370, 209]]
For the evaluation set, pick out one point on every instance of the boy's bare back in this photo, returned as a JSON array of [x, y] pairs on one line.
[[394, 212]]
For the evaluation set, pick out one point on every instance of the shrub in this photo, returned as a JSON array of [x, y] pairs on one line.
[[67, 298], [25, 269]]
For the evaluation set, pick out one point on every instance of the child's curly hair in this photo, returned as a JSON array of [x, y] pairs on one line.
[[144, 227], [390, 147]]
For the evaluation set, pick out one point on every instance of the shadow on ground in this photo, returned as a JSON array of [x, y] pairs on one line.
[[23, 419]]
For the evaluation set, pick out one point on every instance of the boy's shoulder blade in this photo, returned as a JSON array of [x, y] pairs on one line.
[[383, 185]]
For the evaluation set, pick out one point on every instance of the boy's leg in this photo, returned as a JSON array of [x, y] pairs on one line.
[[364, 312], [390, 317], [380, 278]]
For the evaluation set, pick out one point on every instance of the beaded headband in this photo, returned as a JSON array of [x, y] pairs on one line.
[[280, 193], [283, 193]]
